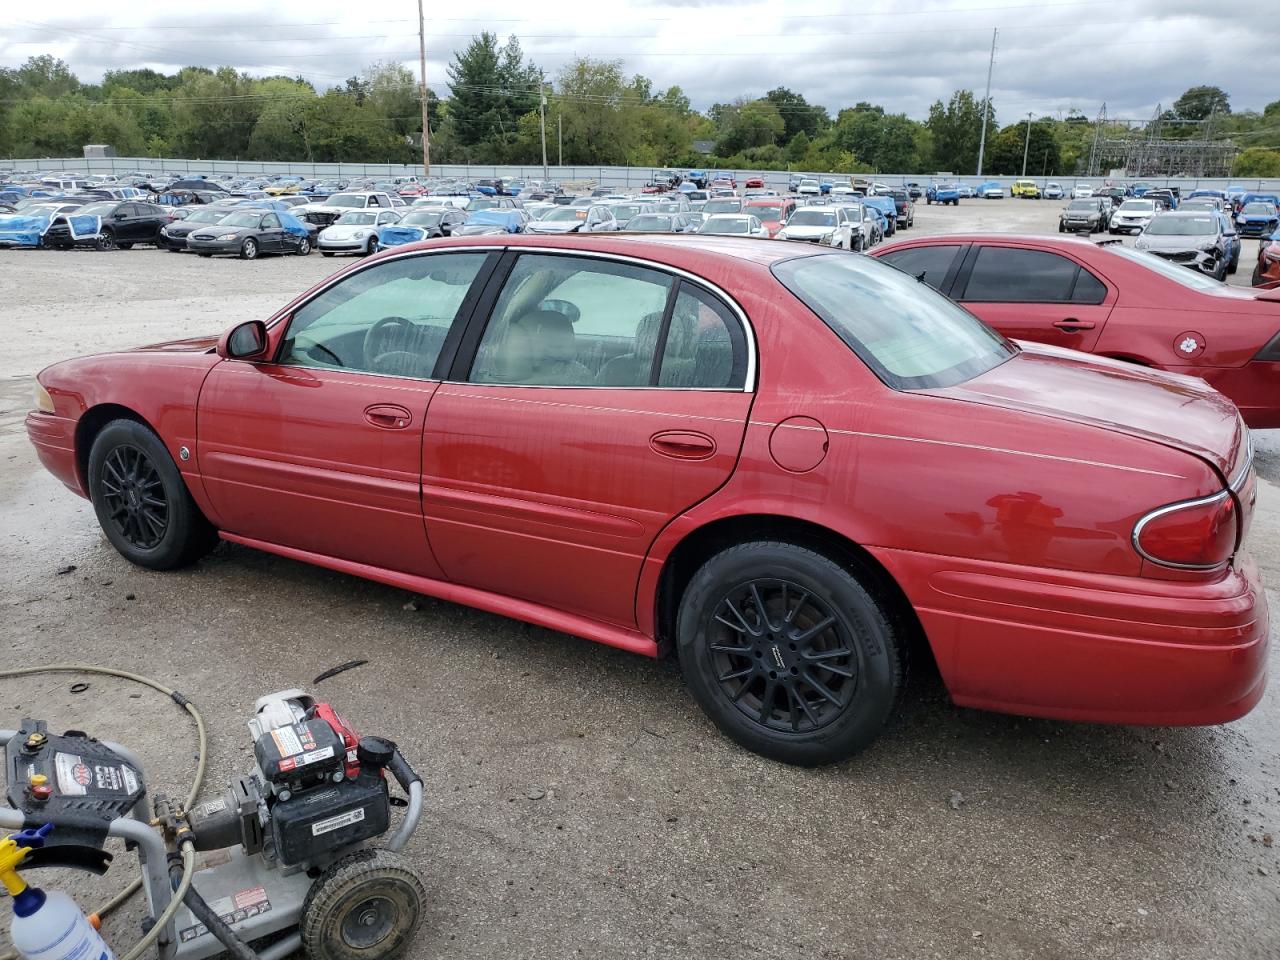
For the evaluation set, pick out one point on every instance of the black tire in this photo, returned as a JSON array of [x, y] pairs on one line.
[[141, 500], [125, 246], [836, 644], [1234, 265], [201, 253], [249, 249], [173, 249], [371, 247], [1061, 228], [106, 240], [367, 905], [1220, 273], [304, 246]]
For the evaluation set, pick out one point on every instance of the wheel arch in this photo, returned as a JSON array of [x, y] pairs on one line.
[[700, 544], [90, 425]]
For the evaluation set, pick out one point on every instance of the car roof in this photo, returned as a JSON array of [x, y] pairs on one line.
[[674, 250]]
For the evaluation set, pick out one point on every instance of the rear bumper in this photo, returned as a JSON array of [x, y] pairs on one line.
[[1103, 649], [55, 441]]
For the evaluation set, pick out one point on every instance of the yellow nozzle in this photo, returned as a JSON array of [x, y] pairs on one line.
[[11, 855]]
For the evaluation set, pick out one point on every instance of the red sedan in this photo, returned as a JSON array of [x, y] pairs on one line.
[[1115, 302], [788, 466]]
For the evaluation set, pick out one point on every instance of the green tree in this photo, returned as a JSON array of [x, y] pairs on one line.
[[1198, 103], [754, 123], [956, 127], [1257, 162], [1006, 148], [798, 116], [885, 142], [591, 95]]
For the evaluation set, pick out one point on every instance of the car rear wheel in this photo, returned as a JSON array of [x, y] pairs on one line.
[[788, 653], [304, 247], [249, 251], [141, 500]]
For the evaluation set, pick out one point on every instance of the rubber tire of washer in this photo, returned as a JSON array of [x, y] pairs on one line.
[[881, 658], [189, 535], [321, 922]]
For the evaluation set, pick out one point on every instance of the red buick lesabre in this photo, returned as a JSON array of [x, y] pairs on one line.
[[785, 464], [1115, 302]]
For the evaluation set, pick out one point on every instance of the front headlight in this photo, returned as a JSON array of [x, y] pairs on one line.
[[43, 402], [361, 234], [227, 236], [1141, 244]]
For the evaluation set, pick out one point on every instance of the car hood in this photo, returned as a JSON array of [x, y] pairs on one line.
[[803, 230], [555, 226], [218, 230], [346, 232], [1176, 244], [1167, 408], [190, 345]]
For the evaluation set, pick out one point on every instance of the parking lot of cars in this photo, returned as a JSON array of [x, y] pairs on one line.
[[572, 778]]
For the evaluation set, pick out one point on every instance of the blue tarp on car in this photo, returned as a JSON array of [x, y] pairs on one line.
[[26, 230], [394, 235], [509, 220], [292, 224]]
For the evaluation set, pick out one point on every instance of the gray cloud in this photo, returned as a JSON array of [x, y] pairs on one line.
[[1052, 56]]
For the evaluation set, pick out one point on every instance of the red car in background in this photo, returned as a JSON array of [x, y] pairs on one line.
[[1112, 301], [773, 212], [754, 182], [1268, 269], [787, 465]]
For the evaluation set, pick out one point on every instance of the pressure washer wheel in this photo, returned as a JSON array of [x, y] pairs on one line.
[[365, 906]]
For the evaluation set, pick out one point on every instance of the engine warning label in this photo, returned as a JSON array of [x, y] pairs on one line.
[[287, 741], [338, 822]]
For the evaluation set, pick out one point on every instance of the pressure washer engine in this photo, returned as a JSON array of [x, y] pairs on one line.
[[283, 854]]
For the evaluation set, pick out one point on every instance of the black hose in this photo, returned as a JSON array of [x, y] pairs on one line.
[[401, 770], [201, 911]]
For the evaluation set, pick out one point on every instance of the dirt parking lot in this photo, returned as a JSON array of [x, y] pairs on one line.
[[579, 804]]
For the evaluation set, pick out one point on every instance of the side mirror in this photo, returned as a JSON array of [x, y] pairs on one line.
[[244, 341]]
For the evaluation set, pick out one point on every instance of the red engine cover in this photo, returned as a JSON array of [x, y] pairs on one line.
[[349, 736]]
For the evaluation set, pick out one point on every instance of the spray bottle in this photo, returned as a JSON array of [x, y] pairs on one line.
[[46, 926]]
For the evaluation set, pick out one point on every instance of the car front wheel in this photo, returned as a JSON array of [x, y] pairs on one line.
[[304, 247], [788, 653], [141, 500], [249, 251]]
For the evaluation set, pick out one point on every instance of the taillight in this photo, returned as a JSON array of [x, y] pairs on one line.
[[1195, 535]]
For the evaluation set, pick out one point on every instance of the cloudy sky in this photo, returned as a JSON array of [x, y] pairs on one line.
[[1051, 56]]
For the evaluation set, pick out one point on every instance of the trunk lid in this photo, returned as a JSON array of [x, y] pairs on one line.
[[1180, 412]]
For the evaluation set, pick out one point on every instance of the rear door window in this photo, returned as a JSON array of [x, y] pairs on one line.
[[1011, 275]]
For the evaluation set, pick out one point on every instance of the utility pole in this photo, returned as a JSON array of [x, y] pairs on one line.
[[986, 103], [542, 123], [426, 126], [559, 140], [1026, 145]]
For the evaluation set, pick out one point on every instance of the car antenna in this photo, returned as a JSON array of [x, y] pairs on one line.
[[921, 275]]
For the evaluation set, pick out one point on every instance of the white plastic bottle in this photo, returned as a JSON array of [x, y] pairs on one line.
[[46, 926]]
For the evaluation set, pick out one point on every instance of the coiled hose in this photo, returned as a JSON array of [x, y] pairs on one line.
[[188, 852]]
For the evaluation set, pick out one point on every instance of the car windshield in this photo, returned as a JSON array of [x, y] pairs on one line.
[[1189, 205], [205, 216], [345, 200], [422, 218], [481, 204], [1177, 226], [1262, 208], [725, 225], [1188, 278], [649, 221], [1137, 206], [812, 218], [721, 206], [910, 335], [102, 208], [808, 183], [625, 211], [1082, 205], [565, 214], [767, 211], [246, 219], [357, 218]]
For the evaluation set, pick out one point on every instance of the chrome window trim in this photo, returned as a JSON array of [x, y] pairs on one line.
[[749, 378]]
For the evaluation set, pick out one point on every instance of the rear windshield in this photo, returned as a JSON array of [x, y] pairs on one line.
[[910, 335]]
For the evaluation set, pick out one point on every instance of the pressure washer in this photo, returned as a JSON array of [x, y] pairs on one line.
[[287, 857]]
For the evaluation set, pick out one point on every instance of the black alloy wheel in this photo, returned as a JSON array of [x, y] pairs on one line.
[[788, 652], [134, 495]]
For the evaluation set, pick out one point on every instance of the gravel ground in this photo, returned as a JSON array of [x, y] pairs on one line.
[[578, 802]]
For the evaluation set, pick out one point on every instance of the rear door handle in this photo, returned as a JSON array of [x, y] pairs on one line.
[[683, 445], [1071, 324], [389, 416]]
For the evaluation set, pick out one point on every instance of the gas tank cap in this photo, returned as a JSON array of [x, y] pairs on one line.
[[798, 444]]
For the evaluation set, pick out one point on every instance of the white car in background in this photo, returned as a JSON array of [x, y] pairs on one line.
[[596, 218], [1132, 216], [734, 224], [828, 225], [1052, 190], [327, 211], [356, 231], [1081, 191], [809, 187]]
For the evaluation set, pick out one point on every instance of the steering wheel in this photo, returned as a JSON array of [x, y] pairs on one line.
[[376, 336], [317, 345]]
